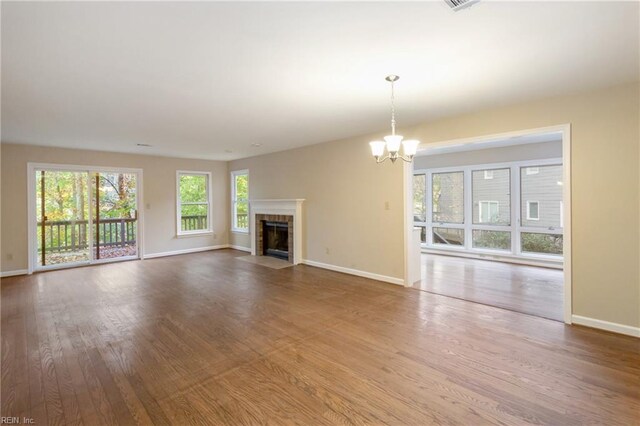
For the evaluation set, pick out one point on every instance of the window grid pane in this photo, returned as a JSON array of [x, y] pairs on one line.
[[448, 197], [241, 187], [542, 243], [193, 188], [194, 217], [448, 236], [497, 240], [492, 196], [240, 201], [541, 196], [241, 215], [419, 199]]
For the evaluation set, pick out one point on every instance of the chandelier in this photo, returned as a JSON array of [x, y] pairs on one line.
[[393, 141]]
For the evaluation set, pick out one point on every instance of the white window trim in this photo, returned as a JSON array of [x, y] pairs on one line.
[[234, 200], [209, 202], [529, 217], [487, 202]]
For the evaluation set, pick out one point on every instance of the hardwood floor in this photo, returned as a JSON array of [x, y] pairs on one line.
[[208, 339], [527, 289]]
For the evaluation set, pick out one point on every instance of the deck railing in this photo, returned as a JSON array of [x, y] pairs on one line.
[[242, 220], [193, 223], [71, 235]]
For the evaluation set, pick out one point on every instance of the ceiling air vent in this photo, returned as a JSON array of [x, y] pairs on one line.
[[460, 4]]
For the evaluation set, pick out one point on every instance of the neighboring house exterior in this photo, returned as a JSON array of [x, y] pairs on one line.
[[491, 196], [541, 195]]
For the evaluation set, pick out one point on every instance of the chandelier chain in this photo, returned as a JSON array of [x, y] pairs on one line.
[[393, 110]]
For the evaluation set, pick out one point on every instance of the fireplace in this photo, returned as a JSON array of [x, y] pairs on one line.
[[275, 237], [282, 236]]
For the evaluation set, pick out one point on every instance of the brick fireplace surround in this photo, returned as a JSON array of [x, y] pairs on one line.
[[273, 218], [277, 210]]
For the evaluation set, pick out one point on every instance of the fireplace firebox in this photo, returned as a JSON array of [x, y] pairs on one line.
[[275, 239]]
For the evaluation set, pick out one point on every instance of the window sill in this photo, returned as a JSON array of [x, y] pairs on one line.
[[240, 231], [194, 234]]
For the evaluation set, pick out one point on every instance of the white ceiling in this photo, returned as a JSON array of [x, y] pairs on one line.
[[199, 79]]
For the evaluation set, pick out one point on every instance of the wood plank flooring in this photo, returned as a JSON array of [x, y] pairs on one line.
[[521, 288], [207, 339]]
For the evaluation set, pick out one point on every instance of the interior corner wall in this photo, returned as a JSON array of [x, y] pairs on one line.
[[353, 213], [605, 187], [159, 204]]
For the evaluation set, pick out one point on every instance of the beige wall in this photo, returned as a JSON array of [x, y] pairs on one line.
[[346, 223], [159, 189]]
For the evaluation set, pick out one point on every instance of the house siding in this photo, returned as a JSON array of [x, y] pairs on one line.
[[542, 187], [497, 188]]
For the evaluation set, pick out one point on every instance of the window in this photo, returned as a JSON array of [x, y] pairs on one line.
[[537, 243], [193, 202], [488, 211], [494, 240], [448, 197], [533, 210], [448, 236], [498, 190], [419, 200], [240, 200], [513, 208]]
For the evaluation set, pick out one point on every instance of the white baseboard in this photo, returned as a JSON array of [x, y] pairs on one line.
[[606, 325], [13, 273], [241, 248], [377, 277], [185, 251]]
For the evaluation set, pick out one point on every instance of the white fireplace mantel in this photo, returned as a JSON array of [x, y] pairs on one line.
[[289, 207]]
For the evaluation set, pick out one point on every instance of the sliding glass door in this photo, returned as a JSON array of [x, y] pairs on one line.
[[82, 216], [62, 211], [115, 215]]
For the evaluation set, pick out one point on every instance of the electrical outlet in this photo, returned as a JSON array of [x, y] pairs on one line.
[[326, 250], [148, 206], [386, 205], [9, 256]]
